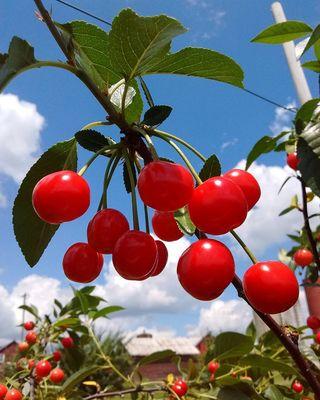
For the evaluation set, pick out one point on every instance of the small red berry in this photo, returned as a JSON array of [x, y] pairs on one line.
[[212, 377], [317, 338], [3, 391], [43, 368], [106, 227], [81, 263], [213, 366], [57, 356], [23, 347], [31, 364], [56, 375], [67, 342], [13, 394], [165, 226], [313, 322], [205, 269], [297, 387], [162, 258], [247, 183], [134, 255], [262, 280], [293, 160], [303, 257], [31, 337], [165, 186], [29, 325], [218, 206], [60, 197], [180, 387]]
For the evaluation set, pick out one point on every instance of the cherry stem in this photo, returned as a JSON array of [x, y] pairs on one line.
[[152, 149], [245, 247], [133, 191], [96, 123], [105, 149], [111, 167], [146, 217]]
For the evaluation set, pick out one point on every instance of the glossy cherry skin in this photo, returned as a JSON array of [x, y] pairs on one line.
[[134, 255], [31, 337], [165, 226], [165, 186], [205, 269], [81, 263], [303, 257], [218, 206], [56, 375], [213, 366], [317, 338], [29, 325], [247, 183], [297, 387], [3, 391], [56, 355], [43, 368], [106, 227], [60, 197], [162, 258], [67, 342], [23, 346], [313, 322], [13, 394], [293, 160], [180, 387], [271, 287]]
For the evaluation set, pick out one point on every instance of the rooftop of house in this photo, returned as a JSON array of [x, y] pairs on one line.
[[5, 346]]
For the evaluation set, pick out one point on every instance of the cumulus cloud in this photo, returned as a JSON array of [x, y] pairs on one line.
[[20, 128], [282, 119]]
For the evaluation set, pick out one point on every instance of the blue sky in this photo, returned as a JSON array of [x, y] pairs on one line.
[[216, 118]]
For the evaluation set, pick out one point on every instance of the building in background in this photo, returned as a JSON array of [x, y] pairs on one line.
[[7, 354]]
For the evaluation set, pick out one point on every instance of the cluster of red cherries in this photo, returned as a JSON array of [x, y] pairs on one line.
[[41, 369], [217, 206]]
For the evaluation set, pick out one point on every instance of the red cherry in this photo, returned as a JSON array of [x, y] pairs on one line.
[[106, 227], [67, 342], [29, 325], [31, 337], [180, 387], [162, 258], [317, 338], [56, 375], [313, 322], [23, 346], [3, 391], [303, 257], [81, 263], [43, 368], [165, 186], [262, 280], [57, 356], [60, 197], [165, 226], [205, 269], [247, 183], [212, 377], [134, 255], [293, 160], [218, 206], [31, 364], [297, 387], [13, 394], [213, 366]]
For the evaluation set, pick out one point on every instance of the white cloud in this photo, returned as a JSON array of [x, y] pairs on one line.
[[229, 143], [282, 119], [20, 127], [263, 227]]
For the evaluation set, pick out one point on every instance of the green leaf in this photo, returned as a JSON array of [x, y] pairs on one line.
[[284, 183], [106, 311], [273, 393], [156, 115], [210, 168], [83, 299], [32, 234], [267, 364], [157, 356], [184, 222], [134, 110], [287, 210], [229, 393], [67, 322], [202, 63], [31, 309], [126, 178], [312, 65], [283, 32], [19, 57], [231, 344], [308, 150], [251, 330], [93, 140], [314, 38], [90, 46], [136, 43], [77, 378], [305, 113]]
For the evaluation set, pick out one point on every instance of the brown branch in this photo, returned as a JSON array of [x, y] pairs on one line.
[[304, 210], [138, 389]]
